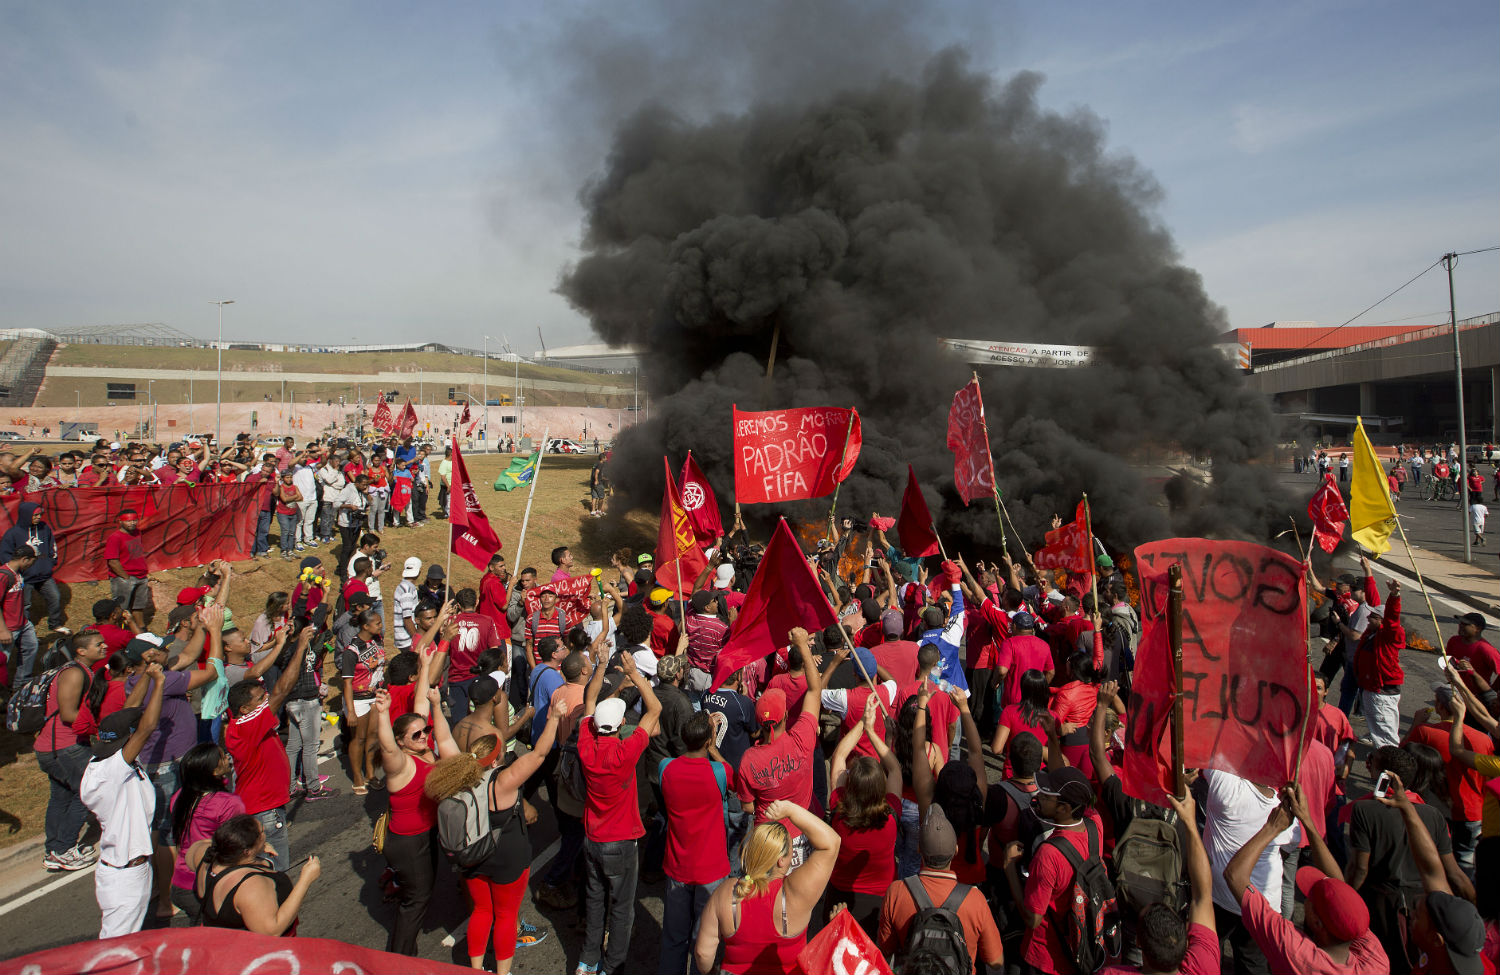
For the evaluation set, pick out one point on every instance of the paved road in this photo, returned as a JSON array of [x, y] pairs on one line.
[[41, 911]]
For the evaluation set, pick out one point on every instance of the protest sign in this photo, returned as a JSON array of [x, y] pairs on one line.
[[788, 455], [573, 596]]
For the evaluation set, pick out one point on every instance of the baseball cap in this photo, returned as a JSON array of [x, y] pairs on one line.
[[1105, 562], [1473, 618], [724, 576], [609, 715], [360, 599], [191, 594], [770, 707], [1459, 923], [412, 568], [114, 731], [1338, 906], [660, 596], [891, 623], [435, 571], [1023, 621], [1067, 784], [135, 650], [483, 689], [546, 587], [938, 841], [701, 600], [865, 662], [645, 557], [309, 562]]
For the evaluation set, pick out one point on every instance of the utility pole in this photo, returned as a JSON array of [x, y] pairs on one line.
[[1463, 437], [219, 386]]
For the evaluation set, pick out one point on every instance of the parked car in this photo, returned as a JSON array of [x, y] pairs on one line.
[[561, 445], [13, 435]]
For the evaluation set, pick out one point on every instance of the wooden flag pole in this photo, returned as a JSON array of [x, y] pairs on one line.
[[839, 482], [535, 475], [1088, 524], [984, 425], [1441, 649], [859, 666], [1174, 641]]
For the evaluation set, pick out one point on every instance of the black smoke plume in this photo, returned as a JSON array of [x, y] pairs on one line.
[[864, 225]]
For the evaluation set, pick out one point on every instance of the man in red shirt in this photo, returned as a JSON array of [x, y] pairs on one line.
[[693, 787], [897, 656], [611, 813], [663, 626], [126, 558], [546, 621], [1065, 798], [476, 634], [1377, 668], [494, 595], [1468, 644], [1465, 784], [706, 633], [1331, 727], [110, 622], [18, 644], [263, 776], [1023, 650]]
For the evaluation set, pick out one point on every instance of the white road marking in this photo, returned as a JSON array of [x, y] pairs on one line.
[[458, 932], [44, 890]]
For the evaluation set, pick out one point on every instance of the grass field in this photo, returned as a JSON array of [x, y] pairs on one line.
[[559, 516]]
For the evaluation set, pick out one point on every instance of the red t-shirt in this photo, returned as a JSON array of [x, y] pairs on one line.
[[1317, 786], [663, 634], [1289, 950], [402, 696], [781, 769], [611, 810], [866, 862], [1048, 890], [1331, 727], [1019, 654], [1202, 957], [1480, 654], [988, 627], [794, 686], [492, 599], [12, 598], [1465, 785], [697, 847], [115, 637], [1010, 717], [1074, 702], [854, 714], [353, 588], [870, 636], [262, 777], [942, 715], [127, 548], [898, 657], [476, 634]]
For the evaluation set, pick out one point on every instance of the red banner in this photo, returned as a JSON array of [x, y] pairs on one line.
[[699, 502], [573, 595], [221, 950], [844, 948], [677, 551], [1068, 546], [382, 420], [788, 455], [472, 539], [406, 425], [1329, 514], [784, 593], [181, 524], [914, 525], [1247, 687], [969, 439]]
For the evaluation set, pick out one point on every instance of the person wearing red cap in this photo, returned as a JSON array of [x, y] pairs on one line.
[[1337, 922]]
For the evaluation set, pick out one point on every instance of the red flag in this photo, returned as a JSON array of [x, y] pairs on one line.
[[969, 439], [1068, 546], [914, 525], [464, 416], [382, 420], [783, 594], [842, 946], [472, 538], [699, 502], [407, 424], [677, 550], [472, 427], [1247, 687], [786, 455], [1328, 513]]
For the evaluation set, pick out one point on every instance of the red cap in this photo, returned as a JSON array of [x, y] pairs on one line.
[[190, 595], [770, 707], [1338, 906]]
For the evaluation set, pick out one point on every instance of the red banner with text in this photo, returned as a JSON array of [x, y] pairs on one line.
[[181, 524], [573, 595], [789, 455], [1246, 684]]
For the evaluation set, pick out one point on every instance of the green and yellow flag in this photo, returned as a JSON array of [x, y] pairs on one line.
[[1372, 515], [519, 473]]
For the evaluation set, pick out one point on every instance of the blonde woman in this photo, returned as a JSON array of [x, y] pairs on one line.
[[761, 919]]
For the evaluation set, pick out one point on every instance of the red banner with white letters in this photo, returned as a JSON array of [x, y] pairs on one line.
[[968, 438], [473, 538], [789, 455], [573, 595]]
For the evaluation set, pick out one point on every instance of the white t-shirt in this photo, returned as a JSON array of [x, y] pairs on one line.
[[1236, 811], [120, 796], [645, 660], [1479, 513], [306, 482], [594, 627]]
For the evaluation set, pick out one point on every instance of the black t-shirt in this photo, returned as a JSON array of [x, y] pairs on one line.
[[739, 722], [1380, 831]]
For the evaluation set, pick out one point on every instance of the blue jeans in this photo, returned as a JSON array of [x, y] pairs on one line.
[[1348, 688], [22, 652], [165, 781], [287, 526], [681, 906], [48, 588], [610, 873], [273, 821], [458, 699], [908, 856], [262, 534], [1465, 842], [66, 812]]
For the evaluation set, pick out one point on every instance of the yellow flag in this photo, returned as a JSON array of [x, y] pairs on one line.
[[1372, 516]]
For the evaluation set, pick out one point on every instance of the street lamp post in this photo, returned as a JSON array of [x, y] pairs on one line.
[[486, 390], [219, 386], [151, 400]]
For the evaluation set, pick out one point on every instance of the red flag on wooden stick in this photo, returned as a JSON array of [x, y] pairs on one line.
[[382, 420], [474, 540], [784, 594], [677, 548], [1068, 546], [700, 503], [1329, 514], [914, 525], [407, 424], [973, 472]]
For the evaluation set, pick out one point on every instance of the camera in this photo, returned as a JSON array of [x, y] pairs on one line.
[[381, 556]]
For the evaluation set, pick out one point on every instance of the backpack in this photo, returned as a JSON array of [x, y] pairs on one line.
[[1091, 927], [1029, 829], [937, 931], [1148, 865], [463, 823], [26, 711], [570, 774]]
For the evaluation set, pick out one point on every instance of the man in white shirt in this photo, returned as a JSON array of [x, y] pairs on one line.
[[404, 604], [119, 794], [1236, 809], [332, 481], [306, 483], [351, 504]]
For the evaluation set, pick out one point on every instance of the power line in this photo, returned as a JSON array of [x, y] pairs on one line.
[[1366, 311]]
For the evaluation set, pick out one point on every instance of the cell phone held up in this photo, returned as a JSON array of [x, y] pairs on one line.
[[1383, 785]]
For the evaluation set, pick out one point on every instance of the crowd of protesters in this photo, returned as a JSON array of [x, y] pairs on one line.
[[940, 764]]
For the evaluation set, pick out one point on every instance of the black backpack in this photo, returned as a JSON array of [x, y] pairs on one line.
[[937, 932], [1091, 924]]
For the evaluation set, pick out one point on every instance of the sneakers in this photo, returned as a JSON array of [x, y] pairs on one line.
[[312, 795], [297, 790], [75, 859], [583, 969], [528, 935]]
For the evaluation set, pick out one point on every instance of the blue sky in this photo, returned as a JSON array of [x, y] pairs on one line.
[[381, 171]]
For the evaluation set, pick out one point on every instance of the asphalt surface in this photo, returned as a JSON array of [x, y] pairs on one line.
[[39, 911]]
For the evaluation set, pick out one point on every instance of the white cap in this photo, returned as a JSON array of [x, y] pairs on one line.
[[723, 576], [609, 715], [115, 445], [412, 568]]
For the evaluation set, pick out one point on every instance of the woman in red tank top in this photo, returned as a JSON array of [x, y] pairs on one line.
[[761, 919], [410, 847]]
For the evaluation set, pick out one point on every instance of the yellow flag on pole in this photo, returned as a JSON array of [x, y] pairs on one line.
[[1372, 515]]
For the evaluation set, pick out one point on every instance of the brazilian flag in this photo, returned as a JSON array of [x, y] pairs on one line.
[[519, 473]]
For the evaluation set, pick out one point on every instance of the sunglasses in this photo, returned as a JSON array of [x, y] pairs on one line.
[[417, 733]]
